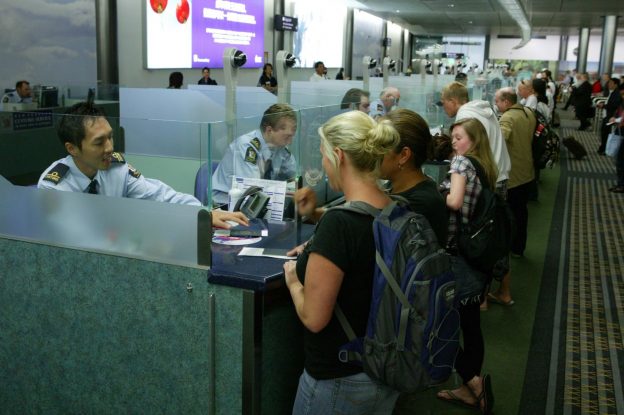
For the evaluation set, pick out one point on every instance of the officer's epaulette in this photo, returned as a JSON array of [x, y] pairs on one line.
[[118, 158], [133, 172], [256, 143], [56, 173]]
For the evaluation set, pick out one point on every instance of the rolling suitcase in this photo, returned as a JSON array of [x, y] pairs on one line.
[[577, 149]]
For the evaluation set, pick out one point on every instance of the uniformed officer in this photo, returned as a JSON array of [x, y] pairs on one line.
[[93, 167], [22, 94], [260, 154], [388, 98]]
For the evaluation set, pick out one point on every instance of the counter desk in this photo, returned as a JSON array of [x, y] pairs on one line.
[[103, 311]]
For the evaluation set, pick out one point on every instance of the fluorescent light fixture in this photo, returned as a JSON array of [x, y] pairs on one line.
[[516, 11]]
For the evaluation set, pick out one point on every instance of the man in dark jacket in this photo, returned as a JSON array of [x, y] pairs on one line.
[[611, 106], [581, 99]]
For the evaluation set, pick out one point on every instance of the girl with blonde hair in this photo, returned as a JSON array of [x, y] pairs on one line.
[[336, 267]]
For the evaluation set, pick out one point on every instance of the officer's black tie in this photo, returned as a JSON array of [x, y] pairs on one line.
[[268, 169], [93, 187]]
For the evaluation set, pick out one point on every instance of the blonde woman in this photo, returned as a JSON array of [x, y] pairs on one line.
[[336, 267], [464, 186]]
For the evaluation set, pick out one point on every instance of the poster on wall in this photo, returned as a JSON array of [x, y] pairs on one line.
[[194, 33]]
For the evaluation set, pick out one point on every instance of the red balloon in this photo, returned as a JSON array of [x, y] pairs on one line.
[[182, 11], [158, 6]]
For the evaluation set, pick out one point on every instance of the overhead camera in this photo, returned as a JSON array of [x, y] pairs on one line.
[[370, 62], [391, 64], [290, 60], [237, 57]]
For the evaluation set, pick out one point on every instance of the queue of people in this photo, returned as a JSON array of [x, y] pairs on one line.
[[358, 148]]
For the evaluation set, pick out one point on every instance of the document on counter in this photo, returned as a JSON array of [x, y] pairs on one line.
[[266, 252]]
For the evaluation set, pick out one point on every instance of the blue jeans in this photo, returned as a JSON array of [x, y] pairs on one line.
[[355, 394]]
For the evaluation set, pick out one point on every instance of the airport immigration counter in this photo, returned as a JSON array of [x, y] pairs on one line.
[[122, 321]]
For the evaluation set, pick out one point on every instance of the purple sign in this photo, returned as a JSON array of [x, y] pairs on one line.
[[221, 24]]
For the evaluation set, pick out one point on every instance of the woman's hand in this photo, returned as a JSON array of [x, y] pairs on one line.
[[290, 272], [305, 199], [220, 218], [298, 250]]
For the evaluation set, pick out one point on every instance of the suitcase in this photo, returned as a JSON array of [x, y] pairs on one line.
[[577, 149]]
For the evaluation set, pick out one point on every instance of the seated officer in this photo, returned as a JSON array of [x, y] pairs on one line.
[[260, 154], [22, 94], [93, 167], [388, 99]]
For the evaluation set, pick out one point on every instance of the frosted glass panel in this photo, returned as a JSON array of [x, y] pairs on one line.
[[160, 232]]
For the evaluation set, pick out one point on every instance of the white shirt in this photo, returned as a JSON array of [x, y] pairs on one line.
[[119, 180], [247, 156], [316, 77]]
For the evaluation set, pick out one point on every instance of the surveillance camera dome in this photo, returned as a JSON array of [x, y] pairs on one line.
[[290, 60], [238, 59]]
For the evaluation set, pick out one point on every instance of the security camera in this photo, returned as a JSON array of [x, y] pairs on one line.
[[428, 65], [372, 63], [237, 58], [391, 64], [290, 60]]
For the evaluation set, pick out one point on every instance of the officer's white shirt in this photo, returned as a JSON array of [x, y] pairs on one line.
[[120, 180], [316, 77], [14, 98], [246, 157], [377, 108]]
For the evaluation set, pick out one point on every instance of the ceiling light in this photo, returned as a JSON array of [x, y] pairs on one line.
[[451, 5]]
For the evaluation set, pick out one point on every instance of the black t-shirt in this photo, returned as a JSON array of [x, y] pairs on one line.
[[264, 79], [208, 81], [425, 198], [346, 239]]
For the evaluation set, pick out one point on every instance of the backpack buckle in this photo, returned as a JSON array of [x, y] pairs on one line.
[[343, 356]]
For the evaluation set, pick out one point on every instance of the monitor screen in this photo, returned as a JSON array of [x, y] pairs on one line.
[[286, 23], [48, 97], [194, 34]]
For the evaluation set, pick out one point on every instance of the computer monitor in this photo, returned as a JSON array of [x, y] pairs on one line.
[[48, 97]]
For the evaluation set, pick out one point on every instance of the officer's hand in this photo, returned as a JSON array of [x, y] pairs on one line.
[[220, 218]]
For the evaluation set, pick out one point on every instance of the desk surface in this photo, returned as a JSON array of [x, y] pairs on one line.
[[257, 273]]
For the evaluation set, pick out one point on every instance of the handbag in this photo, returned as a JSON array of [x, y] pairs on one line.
[[614, 140]]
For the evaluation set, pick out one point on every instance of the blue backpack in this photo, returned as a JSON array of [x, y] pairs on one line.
[[412, 334]]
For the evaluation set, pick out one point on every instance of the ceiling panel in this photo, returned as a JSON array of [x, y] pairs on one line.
[[552, 17]]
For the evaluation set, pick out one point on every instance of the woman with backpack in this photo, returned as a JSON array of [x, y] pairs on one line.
[[336, 268], [403, 167], [471, 146]]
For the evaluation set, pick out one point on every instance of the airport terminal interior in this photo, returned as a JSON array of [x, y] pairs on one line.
[[116, 303]]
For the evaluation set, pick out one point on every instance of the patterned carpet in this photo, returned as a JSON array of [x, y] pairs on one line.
[[581, 306]]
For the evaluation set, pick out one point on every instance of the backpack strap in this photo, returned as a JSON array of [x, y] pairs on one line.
[[364, 208], [480, 172]]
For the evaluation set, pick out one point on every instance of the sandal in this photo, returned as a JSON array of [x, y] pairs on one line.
[[452, 398], [486, 398], [493, 298]]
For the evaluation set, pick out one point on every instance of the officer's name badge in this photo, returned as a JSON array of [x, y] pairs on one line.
[[251, 156]]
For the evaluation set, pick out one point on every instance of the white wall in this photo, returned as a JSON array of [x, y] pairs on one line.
[[593, 49], [537, 49]]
